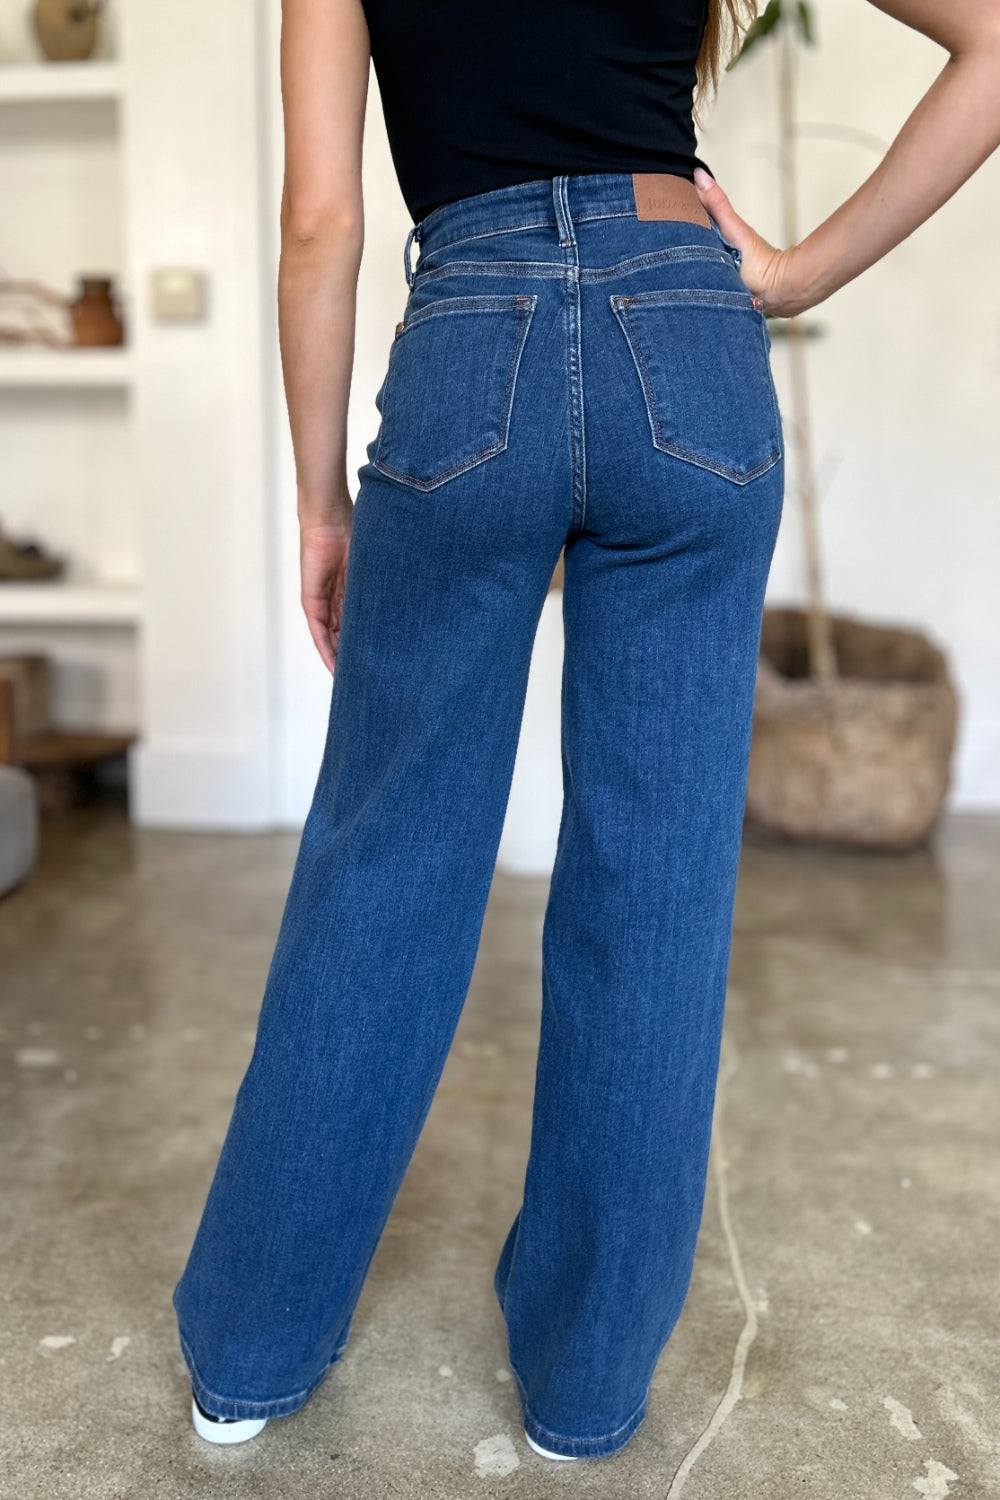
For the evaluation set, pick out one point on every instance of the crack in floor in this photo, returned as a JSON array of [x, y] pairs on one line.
[[748, 1333]]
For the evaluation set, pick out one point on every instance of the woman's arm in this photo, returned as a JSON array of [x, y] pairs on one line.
[[952, 131], [324, 87]]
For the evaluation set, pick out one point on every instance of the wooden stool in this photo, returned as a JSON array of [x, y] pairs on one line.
[[59, 760]]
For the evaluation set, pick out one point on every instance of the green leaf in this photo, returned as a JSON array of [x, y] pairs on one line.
[[807, 26], [762, 27]]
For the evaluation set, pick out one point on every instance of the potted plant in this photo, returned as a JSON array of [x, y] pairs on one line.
[[854, 723]]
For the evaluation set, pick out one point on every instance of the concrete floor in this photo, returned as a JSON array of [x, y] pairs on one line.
[[840, 1338]]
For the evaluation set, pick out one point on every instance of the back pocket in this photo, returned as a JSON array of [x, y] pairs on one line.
[[703, 363], [447, 397]]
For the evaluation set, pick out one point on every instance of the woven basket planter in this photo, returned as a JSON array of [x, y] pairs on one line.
[[863, 760]]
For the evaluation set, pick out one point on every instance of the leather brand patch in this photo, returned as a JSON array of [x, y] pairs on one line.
[[664, 195]]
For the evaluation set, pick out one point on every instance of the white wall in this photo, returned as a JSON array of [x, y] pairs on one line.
[[193, 161], [906, 385]]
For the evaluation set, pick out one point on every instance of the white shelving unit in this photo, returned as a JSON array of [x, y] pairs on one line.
[[48, 82], [55, 430], [65, 369], [149, 467], [53, 602]]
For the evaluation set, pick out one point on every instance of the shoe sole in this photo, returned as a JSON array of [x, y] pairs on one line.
[[225, 1433], [544, 1452]]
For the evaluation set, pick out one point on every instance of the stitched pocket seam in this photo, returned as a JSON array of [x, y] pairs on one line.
[[690, 296], [524, 307]]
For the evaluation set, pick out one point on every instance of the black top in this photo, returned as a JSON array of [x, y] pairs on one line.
[[478, 96]]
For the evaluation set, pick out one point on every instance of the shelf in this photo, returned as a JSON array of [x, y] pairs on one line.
[[52, 82], [62, 369], [57, 603]]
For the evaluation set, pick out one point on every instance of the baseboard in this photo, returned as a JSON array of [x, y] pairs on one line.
[[199, 785]]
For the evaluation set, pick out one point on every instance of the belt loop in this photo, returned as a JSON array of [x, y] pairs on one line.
[[560, 200], [414, 234], [733, 250]]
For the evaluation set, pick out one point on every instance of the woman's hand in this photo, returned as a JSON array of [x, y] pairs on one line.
[[767, 272], [952, 131], [323, 554]]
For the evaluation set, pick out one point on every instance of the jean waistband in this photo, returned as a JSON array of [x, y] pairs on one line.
[[560, 203]]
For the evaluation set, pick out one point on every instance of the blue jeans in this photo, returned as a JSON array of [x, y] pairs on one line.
[[565, 374]]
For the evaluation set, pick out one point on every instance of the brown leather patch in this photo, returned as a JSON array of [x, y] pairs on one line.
[[664, 195]]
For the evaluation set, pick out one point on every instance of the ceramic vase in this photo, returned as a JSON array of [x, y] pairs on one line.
[[67, 29], [94, 311]]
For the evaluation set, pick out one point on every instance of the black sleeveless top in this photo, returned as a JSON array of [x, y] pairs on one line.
[[479, 96]]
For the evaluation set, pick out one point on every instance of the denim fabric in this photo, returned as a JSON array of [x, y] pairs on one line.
[[565, 373]]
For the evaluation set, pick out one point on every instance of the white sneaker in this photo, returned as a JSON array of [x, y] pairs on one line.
[[567, 1457], [221, 1429]]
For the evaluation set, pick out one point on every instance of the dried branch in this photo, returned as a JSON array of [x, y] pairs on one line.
[[10, 287]]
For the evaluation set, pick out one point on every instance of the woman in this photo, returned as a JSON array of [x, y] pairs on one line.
[[582, 363]]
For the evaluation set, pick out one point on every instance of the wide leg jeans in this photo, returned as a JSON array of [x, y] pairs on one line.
[[564, 374]]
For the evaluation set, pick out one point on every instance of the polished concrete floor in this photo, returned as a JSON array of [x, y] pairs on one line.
[[840, 1338]]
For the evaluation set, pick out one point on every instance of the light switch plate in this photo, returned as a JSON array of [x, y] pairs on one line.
[[179, 295]]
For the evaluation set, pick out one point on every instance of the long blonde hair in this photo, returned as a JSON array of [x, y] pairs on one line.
[[727, 21]]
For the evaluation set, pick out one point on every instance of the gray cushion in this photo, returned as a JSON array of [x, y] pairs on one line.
[[18, 826]]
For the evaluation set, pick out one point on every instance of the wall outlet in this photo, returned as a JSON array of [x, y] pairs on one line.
[[179, 295]]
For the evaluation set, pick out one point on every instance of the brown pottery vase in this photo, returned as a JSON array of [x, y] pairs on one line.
[[95, 315], [67, 29]]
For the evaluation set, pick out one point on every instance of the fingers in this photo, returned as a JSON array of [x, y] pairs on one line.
[[324, 571], [325, 635], [718, 205]]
